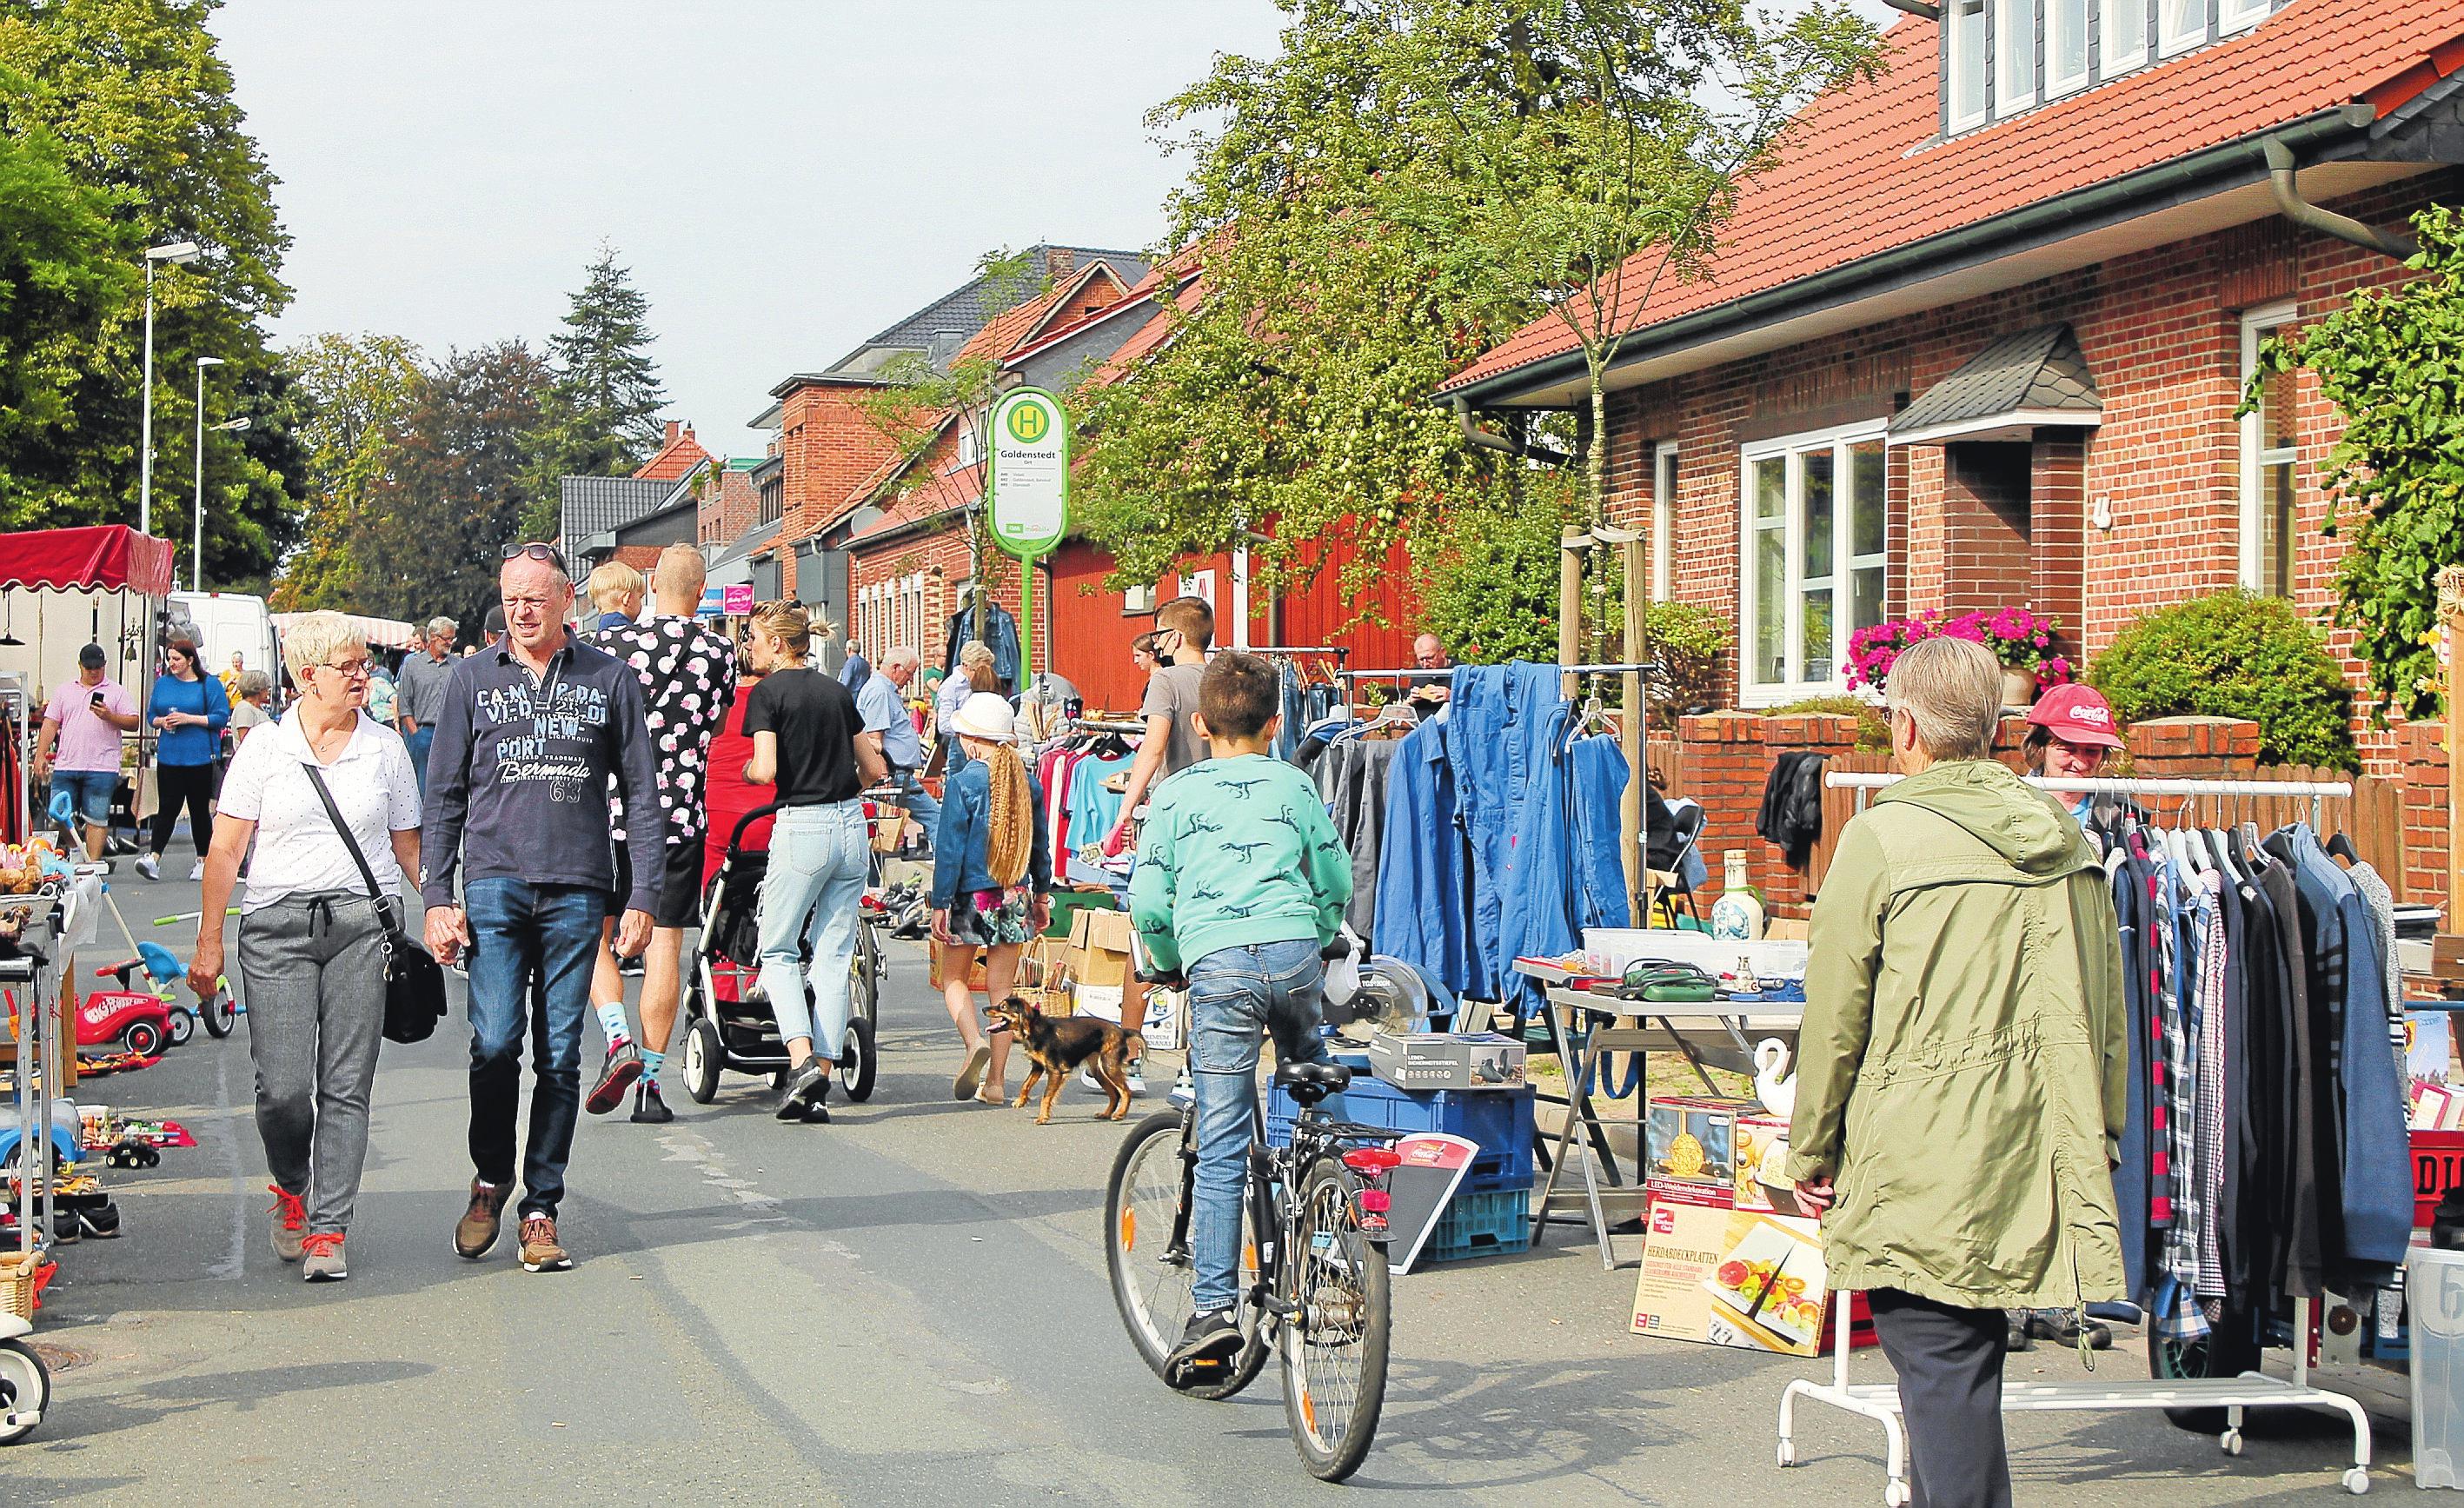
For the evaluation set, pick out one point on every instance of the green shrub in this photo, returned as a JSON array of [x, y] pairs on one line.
[[1688, 640], [2234, 656], [1872, 729]]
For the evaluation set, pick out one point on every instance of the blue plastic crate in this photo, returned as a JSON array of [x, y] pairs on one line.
[[1496, 1223], [1498, 1119]]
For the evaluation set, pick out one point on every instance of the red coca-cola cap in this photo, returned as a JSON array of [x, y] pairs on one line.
[[2076, 714]]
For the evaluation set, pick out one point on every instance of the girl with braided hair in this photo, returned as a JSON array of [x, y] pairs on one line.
[[991, 875]]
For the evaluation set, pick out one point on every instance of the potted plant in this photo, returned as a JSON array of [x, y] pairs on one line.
[[2021, 640]]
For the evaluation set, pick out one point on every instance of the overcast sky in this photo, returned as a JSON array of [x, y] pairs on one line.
[[783, 177]]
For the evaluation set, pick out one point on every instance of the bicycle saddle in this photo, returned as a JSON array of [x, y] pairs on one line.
[[1310, 1082]]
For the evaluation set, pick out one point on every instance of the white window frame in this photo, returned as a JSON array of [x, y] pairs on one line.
[[2240, 16], [2056, 84], [2111, 26], [2171, 43], [1663, 518], [2257, 325], [970, 440], [1962, 16], [2007, 101], [1840, 440]]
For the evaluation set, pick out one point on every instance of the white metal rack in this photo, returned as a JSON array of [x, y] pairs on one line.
[[1880, 1401]]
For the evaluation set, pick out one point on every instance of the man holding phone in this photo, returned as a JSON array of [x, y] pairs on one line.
[[84, 723]]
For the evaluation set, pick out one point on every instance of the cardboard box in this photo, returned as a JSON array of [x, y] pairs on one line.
[[1732, 1277], [1099, 947], [1446, 1060], [1101, 1001], [975, 971], [1761, 1154], [1100, 967], [1691, 1138], [888, 830], [1165, 1021], [1107, 931]]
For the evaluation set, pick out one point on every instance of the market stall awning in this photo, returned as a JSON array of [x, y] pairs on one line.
[[106, 557], [390, 634], [2004, 391]]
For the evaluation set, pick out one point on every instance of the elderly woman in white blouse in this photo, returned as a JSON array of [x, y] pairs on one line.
[[311, 939]]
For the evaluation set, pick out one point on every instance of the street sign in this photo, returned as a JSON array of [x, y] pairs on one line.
[[731, 601], [1028, 472]]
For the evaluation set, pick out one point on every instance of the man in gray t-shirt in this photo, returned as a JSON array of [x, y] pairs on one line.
[[420, 692], [1184, 627]]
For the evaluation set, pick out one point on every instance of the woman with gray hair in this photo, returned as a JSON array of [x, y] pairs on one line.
[[975, 674], [250, 693], [332, 792]]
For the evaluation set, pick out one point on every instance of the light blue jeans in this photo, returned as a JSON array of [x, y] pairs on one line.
[[1237, 995], [809, 898]]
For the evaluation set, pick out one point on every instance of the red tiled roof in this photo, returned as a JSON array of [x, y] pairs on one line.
[[1862, 173], [678, 457]]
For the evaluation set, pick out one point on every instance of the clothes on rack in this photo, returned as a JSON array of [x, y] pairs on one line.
[[1353, 780], [1077, 808], [997, 626], [1792, 809]]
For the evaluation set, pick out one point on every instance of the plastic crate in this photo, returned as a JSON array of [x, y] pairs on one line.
[[2438, 1166], [1498, 1119], [1493, 1223]]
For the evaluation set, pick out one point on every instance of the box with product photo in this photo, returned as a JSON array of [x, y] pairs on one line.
[[1692, 1139], [1733, 1277], [1446, 1060]]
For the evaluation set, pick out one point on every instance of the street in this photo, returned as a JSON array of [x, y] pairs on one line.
[[906, 1306]]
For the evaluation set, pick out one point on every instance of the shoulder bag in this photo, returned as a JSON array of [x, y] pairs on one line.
[[414, 983]]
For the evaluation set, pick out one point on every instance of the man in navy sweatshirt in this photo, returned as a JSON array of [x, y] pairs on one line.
[[532, 729]]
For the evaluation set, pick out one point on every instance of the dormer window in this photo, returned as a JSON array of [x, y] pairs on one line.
[[2003, 58]]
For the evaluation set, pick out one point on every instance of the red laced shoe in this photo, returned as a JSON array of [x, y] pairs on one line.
[[290, 1215], [324, 1262]]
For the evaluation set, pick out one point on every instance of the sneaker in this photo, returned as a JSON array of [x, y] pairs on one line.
[[324, 1262], [2062, 1327], [290, 1215], [149, 867], [647, 1107], [197, 870], [476, 1232], [971, 1076], [623, 1065], [540, 1252], [102, 1223], [805, 1091], [1207, 1343], [1184, 1091], [2015, 1336], [1137, 1085]]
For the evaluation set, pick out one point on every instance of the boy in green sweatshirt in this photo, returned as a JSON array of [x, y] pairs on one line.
[[1241, 882]]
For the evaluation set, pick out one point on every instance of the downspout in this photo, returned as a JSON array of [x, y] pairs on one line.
[[1487, 441], [2327, 222]]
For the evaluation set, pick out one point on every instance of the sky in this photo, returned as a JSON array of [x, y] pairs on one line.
[[783, 177]]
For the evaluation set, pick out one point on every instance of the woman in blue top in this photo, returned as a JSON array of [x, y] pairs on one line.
[[992, 881], [187, 711]]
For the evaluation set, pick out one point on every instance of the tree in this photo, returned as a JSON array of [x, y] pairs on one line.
[[141, 106], [603, 410], [359, 394], [2391, 361]]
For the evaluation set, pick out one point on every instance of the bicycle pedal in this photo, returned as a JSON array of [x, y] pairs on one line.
[[1182, 1376]]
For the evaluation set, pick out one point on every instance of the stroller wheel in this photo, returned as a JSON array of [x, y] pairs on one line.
[[183, 1024], [704, 1057], [220, 1014], [857, 1061]]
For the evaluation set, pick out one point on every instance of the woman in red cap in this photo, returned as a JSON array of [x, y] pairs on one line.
[[2071, 736]]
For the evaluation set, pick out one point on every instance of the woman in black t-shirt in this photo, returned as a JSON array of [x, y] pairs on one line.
[[808, 742]]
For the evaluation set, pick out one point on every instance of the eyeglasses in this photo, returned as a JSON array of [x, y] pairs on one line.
[[538, 553], [356, 670]]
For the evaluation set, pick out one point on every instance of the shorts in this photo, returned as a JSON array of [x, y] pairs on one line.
[[88, 790], [993, 917], [678, 903]]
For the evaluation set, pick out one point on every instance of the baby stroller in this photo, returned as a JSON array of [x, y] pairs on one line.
[[726, 1018]]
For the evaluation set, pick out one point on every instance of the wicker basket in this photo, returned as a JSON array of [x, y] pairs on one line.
[[17, 1273]]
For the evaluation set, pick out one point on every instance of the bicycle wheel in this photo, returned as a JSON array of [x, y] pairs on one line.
[[1150, 1262], [864, 974], [1334, 1344]]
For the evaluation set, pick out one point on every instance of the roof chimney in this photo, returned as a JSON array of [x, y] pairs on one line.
[[672, 427], [1059, 262]]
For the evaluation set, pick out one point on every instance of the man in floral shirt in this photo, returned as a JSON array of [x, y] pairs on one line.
[[687, 674]]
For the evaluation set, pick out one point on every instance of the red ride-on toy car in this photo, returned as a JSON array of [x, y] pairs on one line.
[[130, 1020]]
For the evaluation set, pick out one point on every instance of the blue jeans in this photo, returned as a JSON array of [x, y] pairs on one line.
[[89, 792], [809, 898], [415, 745], [926, 807], [531, 947], [1237, 995]]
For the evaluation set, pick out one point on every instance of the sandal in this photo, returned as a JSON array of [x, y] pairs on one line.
[[971, 1076], [984, 1097]]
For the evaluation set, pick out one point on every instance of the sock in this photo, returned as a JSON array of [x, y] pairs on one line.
[[611, 1020], [651, 1063]]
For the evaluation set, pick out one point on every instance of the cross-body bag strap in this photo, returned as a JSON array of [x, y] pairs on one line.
[[367, 876]]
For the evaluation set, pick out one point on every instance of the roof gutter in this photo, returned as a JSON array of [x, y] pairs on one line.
[[2327, 222], [1505, 444], [1926, 256]]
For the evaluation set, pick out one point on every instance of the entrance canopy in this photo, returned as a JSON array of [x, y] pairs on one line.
[[2036, 377], [108, 557]]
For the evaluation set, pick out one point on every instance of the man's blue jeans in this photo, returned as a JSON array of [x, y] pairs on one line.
[[415, 743], [531, 947], [922, 804], [1237, 995]]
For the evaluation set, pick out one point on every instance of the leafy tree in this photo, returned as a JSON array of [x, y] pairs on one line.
[[140, 103], [2392, 360], [603, 410], [1486, 577], [359, 394]]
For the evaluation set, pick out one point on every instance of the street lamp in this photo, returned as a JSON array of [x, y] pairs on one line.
[[197, 549], [176, 251]]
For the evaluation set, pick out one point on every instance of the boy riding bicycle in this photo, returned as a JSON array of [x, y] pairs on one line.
[[1240, 881]]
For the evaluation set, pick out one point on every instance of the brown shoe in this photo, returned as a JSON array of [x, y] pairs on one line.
[[475, 1233], [539, 1252], [290, 1215]]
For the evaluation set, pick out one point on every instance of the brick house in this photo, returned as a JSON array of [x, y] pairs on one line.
[[1979, 336]]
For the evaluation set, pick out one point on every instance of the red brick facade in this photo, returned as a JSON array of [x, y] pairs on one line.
[[827, 450]]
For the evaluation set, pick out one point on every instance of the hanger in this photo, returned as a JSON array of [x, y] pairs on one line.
[[2223, 852], [1393, 719], [2340, 846]]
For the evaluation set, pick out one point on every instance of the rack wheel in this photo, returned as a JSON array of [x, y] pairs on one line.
[[25, 1390], [2356, 1480], [857, 1061], [1895, 1495], [183, 1024], [221, 1014], [2231, 1442], [704, 1055], [1787, 1453]]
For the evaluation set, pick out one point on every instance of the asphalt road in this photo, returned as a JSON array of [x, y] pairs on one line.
[[907, 1306]]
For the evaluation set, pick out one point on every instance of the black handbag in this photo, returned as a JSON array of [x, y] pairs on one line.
[[414, 980]]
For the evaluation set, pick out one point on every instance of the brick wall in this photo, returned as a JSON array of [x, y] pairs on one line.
[[2423, 756], [1724, 760], [828, 449], [727, 508], [1985, 524]]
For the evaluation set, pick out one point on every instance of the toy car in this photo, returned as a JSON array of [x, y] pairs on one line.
[[132, 1020]]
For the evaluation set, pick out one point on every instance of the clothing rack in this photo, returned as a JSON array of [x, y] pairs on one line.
[[1880, 1401], [1338, 651], [1636, 668], [1106, 725]]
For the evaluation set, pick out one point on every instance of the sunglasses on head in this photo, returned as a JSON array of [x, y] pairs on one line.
[[538, 553]]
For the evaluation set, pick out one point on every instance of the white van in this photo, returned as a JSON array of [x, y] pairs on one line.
[[225, 623]]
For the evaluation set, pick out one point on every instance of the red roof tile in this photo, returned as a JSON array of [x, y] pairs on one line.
[[1863, 173], [675, 458]]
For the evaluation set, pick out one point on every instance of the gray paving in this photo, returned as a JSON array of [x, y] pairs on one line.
[[906, 1306]]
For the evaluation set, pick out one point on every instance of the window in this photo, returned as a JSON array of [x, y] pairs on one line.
[[2268, 440], [2122, 40], [2014, 56], [1967, 91], [2065, 46], [970, 440], [2184, 24], [1664, 517], [2240, 16], [1812, 540]]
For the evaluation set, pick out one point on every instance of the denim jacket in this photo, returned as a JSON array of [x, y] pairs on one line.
[[958, 849]]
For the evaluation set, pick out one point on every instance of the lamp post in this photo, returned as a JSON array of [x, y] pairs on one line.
[[175, 252], [197, 517]]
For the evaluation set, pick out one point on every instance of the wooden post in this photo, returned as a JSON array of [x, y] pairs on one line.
[[1636, 731]]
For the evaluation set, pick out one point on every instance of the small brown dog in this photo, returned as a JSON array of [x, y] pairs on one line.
[[1057, 1044]]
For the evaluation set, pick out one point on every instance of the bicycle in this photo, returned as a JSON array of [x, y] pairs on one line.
[[1315, 1289]]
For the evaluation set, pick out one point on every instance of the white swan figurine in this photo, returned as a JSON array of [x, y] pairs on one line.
[[1777, 1093]]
